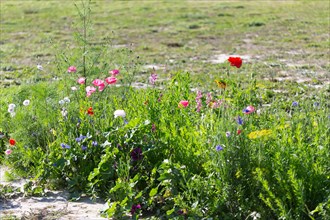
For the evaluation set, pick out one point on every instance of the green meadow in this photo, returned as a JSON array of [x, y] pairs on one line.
[[139, 104]]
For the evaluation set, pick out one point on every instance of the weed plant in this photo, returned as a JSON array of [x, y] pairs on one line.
[[169, 150]]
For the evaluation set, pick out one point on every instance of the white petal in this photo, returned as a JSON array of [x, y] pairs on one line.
[[12, 105], [119, 113], [26, 102]]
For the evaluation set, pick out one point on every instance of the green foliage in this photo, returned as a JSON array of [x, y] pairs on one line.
[[163, 158]]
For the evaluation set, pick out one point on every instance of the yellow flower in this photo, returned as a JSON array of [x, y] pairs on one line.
[[221, 83], [259, 134]]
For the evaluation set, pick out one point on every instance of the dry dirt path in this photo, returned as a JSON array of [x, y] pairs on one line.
[[54, 205]]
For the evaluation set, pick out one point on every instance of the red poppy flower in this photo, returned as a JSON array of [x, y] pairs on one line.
[[90, 111], [235, 61], [239, 132], [12, 142]]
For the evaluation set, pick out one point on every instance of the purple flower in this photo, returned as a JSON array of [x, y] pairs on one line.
[[219, 148], [136, 154], [153, 128], [83, 147], [94, 143], [153, 78], [65, 146], [294, 104], [239, 120], [81, 138], [134, 208], [160, 97]]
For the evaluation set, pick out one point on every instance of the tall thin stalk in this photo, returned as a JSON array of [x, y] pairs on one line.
[[84, 17]]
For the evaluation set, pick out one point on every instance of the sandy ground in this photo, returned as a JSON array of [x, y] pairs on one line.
[[54, 205]]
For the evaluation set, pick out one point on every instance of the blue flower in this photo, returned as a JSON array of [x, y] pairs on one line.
[[94, 143], [219, 148], [81, 138], [294, 104], [65, 146], [239, 120], [83, 147]]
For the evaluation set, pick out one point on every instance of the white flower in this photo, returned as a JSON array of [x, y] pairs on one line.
[[26, 102], [39, 67], [73, 88], [119, 113], [166, 161], [12, 105], [66, 99], [61, 102], [258, 112], [255, 215], [11, 110], [64, 112]]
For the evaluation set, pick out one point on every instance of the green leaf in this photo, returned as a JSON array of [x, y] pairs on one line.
[[164, 176], [138, 195], [112, 209], [169, 212], [153, 192], [93, 174]]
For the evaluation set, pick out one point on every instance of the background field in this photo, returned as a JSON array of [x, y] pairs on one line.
[[288, 40]]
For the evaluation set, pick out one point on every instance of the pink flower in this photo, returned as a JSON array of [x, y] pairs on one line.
[[99, 83], [72, 69], [153, 78], [111, 80], [114, 72], [208, 98], [8, 151], [248, 110], [90, 90], [199, 101], [216, 104], [183, 103], [81, 80]]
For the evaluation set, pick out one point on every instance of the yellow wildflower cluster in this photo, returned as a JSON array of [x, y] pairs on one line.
[[258, 134]]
